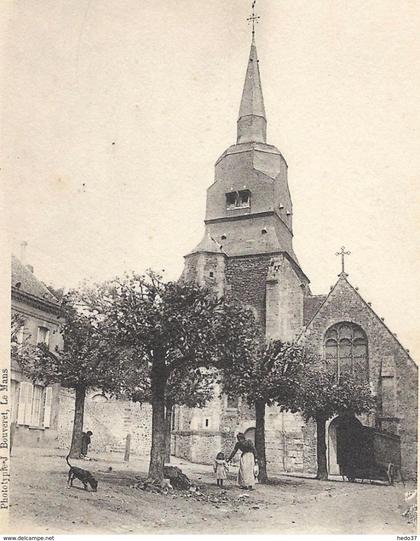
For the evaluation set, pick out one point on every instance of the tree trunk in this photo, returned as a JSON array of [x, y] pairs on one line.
[[260, 439], [168, 432], [79, 409], [157, 453], [321, 450]]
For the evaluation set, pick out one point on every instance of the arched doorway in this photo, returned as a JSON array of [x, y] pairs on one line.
[[250, 434], [345, 441]]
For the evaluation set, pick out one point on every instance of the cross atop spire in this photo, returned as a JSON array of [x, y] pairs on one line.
[[253, 19], [252, 124], [343, 253]]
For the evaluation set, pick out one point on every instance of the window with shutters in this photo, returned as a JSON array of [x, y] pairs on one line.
[[14, 392], [346, 348], [34, 405], [37, 403], [47, 409], [43, 336], [24, 414]]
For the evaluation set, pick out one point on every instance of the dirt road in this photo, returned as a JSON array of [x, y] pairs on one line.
[[42, 504]]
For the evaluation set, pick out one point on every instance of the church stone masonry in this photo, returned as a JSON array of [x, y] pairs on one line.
[[247, 250]]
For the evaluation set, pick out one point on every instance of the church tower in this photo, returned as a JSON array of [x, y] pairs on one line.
[[247, 248], [247, 252]]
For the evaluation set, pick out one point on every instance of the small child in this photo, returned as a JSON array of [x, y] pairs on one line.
[[220, 468]]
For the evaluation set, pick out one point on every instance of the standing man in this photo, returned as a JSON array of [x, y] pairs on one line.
[[86, 439]]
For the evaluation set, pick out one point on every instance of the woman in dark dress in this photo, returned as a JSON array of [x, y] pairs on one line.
[[246, 478], [85, 443]]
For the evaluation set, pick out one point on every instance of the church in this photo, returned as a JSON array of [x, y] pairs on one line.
[[247, 251]]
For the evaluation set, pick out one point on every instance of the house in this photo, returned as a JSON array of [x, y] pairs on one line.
[[34, 406]]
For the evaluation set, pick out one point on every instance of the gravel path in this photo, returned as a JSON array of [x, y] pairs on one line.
[[41, 503]]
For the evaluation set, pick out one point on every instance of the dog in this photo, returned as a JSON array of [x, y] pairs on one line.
[[83, 475]]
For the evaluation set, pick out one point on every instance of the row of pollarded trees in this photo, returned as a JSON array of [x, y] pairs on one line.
[[140, 338]]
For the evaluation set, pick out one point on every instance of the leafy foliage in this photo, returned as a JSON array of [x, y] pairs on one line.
[[89, 357], [272, 374], [191, 388], [176, 324], [322, 395]]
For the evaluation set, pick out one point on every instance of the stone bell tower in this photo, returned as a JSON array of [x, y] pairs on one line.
[[247, 248]]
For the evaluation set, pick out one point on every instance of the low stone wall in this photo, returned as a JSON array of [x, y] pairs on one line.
[[110, 421]]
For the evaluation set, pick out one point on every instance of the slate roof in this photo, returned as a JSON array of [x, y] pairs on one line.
[[311, 305], [252, 103], [24, 281], [209, 245]]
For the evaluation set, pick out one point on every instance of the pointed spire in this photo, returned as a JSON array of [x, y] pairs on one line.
[[252, 124]]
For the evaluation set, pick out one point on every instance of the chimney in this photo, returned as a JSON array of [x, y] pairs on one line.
[[23, 246]]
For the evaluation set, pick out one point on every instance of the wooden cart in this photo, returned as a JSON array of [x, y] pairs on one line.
[[367, 453]]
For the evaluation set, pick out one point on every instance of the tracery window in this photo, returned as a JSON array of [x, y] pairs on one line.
[[346, 348]]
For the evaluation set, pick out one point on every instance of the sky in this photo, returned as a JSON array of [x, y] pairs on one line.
[[114, 113]]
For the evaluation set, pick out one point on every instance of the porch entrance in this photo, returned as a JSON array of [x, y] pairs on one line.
[[345, 443]]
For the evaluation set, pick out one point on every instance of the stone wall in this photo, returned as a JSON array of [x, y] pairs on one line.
[[110, 421], [246, 281], [284, 300], [197, 446]]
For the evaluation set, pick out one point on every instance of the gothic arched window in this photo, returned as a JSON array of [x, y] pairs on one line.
[[346, 348]]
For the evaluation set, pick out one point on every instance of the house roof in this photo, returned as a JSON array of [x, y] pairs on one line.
[[24, 281]]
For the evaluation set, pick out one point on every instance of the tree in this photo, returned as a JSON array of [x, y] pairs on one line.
[[191, 388], [323, 395], [269, 376], [171, 328], [89, 358]]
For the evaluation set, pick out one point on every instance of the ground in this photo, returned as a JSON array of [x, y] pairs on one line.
[[41, 503]]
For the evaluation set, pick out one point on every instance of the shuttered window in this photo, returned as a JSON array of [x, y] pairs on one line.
[[33, 405], [14, 391], [47, 407], [24, 416], [37, 400], [43, 336]]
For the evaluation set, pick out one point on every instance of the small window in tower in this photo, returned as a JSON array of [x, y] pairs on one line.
[[211, 274], [231, 200], [207, 422], [237, 200], [244, 198]]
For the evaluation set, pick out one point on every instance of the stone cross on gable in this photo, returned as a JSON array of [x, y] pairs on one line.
[[254, 18], [343, 253]]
